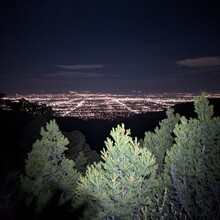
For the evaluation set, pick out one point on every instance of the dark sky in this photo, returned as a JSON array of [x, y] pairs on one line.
[[109, 45]]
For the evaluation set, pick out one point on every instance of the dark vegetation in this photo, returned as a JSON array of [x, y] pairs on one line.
[[20, 126]]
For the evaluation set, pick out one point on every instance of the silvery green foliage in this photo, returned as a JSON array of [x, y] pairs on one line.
[[122, 185], [159, 141], [192, 165], [47, 169]]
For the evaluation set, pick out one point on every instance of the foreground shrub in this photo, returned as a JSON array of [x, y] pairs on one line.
[[159, 141], [122, 186], [47, 170], [192, 165]]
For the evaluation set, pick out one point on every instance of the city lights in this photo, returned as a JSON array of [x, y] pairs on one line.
[[86, 105]]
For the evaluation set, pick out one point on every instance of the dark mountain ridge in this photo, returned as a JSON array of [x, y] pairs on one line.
[[96, 130]]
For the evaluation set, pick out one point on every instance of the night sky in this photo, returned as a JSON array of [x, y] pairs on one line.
[[109, 46]]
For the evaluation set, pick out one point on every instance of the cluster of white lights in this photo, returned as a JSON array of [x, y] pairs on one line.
[[86, 105]]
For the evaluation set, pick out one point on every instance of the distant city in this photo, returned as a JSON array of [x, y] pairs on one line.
[[86, 105]]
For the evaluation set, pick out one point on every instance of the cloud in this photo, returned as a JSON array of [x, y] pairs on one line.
[[200, 62], [79, 71], [70, 74], [80, 67]]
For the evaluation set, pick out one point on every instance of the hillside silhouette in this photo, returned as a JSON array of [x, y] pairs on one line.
[[17, 126], [96, 130]]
